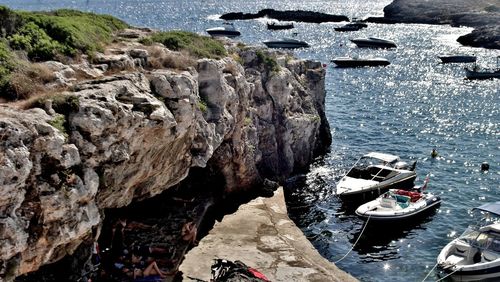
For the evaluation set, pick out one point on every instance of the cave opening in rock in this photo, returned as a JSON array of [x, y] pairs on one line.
[[157, 222]]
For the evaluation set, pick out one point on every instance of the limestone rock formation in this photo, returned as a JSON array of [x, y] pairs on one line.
[[129, 134]]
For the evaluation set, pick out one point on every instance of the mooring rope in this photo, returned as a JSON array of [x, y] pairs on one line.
[[359, 237], [429, 272], [448, 275]]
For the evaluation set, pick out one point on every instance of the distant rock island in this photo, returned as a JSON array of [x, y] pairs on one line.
[[483, 15], [296, 15]]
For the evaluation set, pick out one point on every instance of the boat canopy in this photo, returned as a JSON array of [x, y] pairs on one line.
[[493, 208], [492, 227], [386, 158]]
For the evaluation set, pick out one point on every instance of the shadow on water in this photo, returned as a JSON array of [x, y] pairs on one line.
[[377, 236]]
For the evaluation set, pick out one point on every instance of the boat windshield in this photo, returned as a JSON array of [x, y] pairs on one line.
[[368, 161], [482, 240]]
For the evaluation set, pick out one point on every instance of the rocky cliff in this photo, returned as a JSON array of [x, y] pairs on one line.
[[123, 134]]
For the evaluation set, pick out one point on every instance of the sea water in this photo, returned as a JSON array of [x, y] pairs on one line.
[[407, 108]]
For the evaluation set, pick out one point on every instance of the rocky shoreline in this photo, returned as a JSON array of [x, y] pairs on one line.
[[482, 15], [297, 15]]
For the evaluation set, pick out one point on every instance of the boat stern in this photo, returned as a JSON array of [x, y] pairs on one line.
[[453, 256]]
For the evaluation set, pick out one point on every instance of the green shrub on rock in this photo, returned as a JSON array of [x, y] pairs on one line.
[[45, 34], [196, 45], [36, 43]]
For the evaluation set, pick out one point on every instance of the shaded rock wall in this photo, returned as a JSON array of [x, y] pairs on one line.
[[124, 137]]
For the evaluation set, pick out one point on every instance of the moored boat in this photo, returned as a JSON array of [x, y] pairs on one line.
[[354, 26], [476, 73], [374, 174], [457, 59], [275, 26], [397, 204], [373, 42], [485, 74], [286, 43], [227, 30], [474, 255], [348, 62]]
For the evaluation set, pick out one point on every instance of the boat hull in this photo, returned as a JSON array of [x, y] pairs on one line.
[[377, 190], [226, 33], [285, 45], [471, 74], [469, 272], [431, 203], [347, 28], [372, 44], [489, 274], [457, 59], [279, 27], [360, 63]]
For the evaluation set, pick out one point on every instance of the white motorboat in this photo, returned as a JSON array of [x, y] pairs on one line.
[[474, 255], [227, 30], [374, 174], [348, 62], [485, 74], [354, 26], [399, 204], [476, 73], [457, 59], [286, 43], [373, 42], [277, 26]]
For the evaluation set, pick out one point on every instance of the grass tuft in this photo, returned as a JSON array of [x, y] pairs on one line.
[[268, 61]]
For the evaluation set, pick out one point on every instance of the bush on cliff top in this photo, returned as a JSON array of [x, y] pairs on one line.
[[65, 32], [196, 45], [7, 65], [43, 35]]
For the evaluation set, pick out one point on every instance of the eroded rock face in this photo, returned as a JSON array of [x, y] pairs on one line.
[[130, 136]]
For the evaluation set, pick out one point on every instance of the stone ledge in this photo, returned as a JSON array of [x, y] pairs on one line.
[[261, 235]]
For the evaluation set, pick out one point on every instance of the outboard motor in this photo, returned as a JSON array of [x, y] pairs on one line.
[[413, 166]]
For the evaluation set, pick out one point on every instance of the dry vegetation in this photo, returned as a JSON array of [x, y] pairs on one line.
[[30, 79], [160, 58]]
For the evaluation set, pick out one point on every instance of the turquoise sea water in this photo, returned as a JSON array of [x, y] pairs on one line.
[[407, 108]]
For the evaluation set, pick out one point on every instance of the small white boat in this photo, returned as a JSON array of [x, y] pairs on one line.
[[474, 255], [277, 26], [227, 30], [476, 73], [373, 42], [485, 74], [457, 59], [286, 43], [399, 204], [354, 26], [374, 174], [348, 62]]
